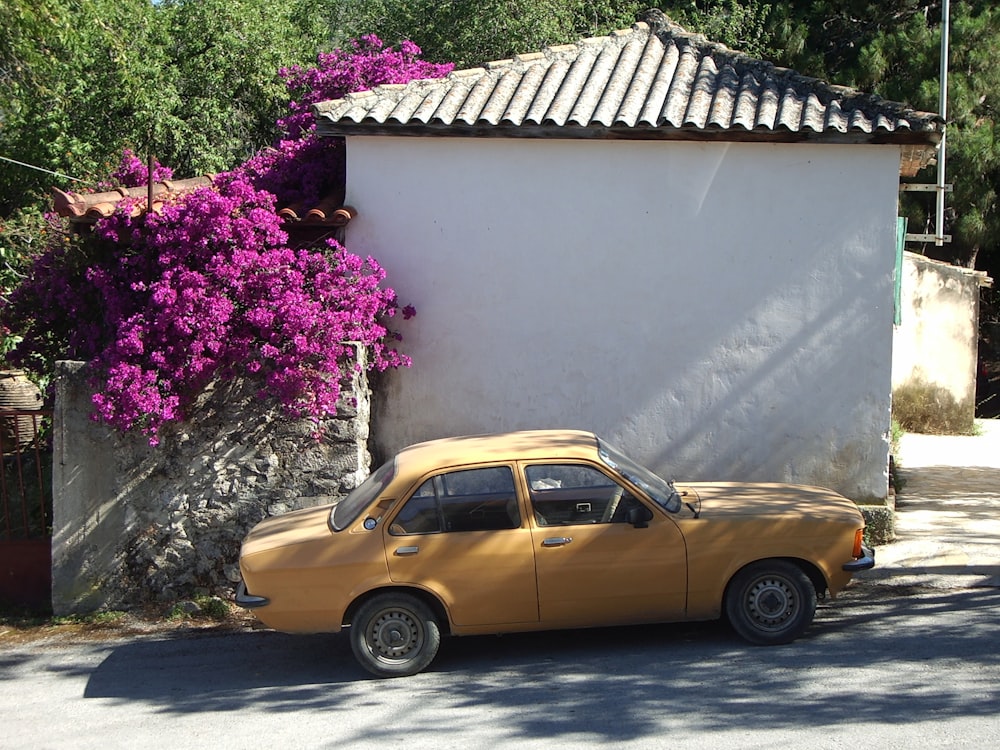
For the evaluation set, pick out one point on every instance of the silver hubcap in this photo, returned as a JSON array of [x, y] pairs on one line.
[[395, 634], [771, 602]]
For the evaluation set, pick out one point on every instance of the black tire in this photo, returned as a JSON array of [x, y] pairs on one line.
[[394, 635], [770, 602]]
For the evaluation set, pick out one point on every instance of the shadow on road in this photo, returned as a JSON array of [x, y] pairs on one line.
[[873, 655]]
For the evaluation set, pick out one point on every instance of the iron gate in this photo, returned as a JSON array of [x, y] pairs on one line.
[[26, 508]]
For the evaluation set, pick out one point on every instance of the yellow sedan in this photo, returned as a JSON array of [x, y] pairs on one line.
[[543, 530]]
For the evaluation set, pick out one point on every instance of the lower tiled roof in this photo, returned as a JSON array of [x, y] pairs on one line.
[[87, 208]]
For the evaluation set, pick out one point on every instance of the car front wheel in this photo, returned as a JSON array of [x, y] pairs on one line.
[[394, 635], [770, 602]]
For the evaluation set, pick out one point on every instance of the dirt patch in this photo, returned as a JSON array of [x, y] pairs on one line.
[[19, 629]]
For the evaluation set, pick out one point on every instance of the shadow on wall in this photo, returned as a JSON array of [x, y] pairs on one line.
[[793, 413]]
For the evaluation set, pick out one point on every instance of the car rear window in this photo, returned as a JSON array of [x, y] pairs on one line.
[[347, 510]]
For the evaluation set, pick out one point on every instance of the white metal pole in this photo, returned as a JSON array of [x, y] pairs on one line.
[[939, 226]]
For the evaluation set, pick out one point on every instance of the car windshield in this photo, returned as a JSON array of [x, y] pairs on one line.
[[347, 510], [659, 489]]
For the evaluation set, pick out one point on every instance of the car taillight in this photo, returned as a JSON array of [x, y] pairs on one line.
[[859, 537]]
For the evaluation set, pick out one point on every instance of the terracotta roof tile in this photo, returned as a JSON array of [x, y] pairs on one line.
[[87, 208]]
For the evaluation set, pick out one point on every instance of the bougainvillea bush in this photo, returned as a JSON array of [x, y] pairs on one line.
[[162, 303], [303, 167]]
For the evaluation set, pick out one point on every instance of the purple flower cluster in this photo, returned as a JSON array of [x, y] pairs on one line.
[[364, 64], [303, 168], [207, 288], [299, 171], [161, 303], [134, 172]]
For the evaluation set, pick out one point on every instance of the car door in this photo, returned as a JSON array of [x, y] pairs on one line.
[[593, 566], [461, 535]]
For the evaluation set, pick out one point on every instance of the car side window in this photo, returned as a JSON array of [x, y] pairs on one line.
[[467, 500], [573, 494], [420, 513]]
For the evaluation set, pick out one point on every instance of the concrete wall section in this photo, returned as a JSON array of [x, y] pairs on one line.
[[87, 523], [936, 343], [721, 311]]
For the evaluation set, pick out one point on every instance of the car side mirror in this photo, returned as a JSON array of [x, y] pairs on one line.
[[640, 516]]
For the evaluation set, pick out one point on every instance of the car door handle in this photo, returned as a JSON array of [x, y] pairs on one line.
[[403, 551], [556, 541]]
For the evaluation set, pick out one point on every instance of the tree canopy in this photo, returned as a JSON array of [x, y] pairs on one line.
[[892, 48], [197, 83], [471, 32]]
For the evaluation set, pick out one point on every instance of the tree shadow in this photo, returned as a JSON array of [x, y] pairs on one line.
[[870, 657]]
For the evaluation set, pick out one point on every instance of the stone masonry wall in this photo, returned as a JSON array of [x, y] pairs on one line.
[[135, 524]]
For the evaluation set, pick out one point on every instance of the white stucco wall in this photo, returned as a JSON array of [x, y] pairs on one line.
[[720, 311], [937, 341]]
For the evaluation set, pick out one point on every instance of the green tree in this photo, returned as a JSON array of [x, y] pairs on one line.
[[893, 48], [224, 57], [825, 36], [470, 33], [738, 25], [973, 146], [195, 81], [78, 82], [465, 32]]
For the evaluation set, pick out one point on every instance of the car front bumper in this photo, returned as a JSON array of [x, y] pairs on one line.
[[865, 562]]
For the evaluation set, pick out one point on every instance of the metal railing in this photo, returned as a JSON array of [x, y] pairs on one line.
[[25, 474]]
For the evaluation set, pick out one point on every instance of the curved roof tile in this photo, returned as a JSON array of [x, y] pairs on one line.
[[654, 80], [88, 208]]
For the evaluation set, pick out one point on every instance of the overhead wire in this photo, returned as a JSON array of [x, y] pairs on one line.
[[43, 169]]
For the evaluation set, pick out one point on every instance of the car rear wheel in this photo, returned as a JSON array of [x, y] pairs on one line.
[[770, 602], [394, 635]]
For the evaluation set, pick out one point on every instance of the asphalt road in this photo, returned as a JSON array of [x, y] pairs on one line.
[[880, 668]]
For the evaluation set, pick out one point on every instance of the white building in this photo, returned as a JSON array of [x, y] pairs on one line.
[[647, 235]]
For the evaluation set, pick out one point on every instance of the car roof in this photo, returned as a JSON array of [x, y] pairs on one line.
[[507, 446]]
